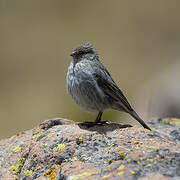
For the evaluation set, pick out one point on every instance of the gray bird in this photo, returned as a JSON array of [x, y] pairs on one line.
[[91, 86]]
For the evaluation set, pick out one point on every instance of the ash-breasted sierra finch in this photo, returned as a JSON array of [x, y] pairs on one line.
[[92, 87]]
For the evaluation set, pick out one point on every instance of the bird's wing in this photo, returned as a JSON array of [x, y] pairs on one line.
[[109, 87]]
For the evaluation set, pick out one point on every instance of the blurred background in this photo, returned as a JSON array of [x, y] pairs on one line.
[[138, 42]]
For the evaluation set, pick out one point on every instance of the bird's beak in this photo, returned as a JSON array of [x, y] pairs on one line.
[[72, 54]]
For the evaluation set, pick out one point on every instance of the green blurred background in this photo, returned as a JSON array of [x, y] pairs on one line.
[[136, 40]]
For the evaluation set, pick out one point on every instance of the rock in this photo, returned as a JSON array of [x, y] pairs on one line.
[[62, 149]]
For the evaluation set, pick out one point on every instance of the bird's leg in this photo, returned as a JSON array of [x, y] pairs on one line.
[[98, 119], [96, 122]]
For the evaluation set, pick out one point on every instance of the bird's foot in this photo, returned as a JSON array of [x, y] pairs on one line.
[[91, 124]]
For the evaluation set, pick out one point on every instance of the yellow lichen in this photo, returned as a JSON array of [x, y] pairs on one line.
[[127, 149], [157, 156], [129, 160], [107, 176], [112, 144], [148, 165], [107, 150], [60, 147], [17, 167], [50, 134], [28, 172], [149, 151], [9, 154], [45, 144], [12, 137], [132, 172], [153, 147], [17, 148], [136, 142], [15, 177], [83, 175], [35, 136], [172, 122], [121, 173], [121, 167], [11, 145], [143, 145], [80, 139], [151, 160]]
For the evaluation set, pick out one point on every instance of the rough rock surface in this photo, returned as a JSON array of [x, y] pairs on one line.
[[62, 149]]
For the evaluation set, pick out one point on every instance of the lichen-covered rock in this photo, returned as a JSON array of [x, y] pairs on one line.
[[62, 149]]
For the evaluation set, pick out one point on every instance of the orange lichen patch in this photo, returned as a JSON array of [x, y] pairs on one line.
[[109, 161], [121, 153], [20, 133], [51, 172]]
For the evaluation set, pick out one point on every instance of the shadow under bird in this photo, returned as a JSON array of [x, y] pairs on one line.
[[91, 86]]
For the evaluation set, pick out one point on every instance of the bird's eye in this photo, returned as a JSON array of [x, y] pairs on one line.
[[82, 52]]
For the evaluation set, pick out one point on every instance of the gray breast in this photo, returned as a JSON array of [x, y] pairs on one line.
[[84, 89]]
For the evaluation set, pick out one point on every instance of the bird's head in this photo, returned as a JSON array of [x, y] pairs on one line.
[[82, 50]]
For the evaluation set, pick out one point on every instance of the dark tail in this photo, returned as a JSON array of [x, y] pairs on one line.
[[135, 116]]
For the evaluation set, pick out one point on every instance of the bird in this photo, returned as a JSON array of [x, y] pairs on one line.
[[91, 86]]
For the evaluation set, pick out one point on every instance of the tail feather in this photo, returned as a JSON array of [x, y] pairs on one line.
[[135, 116], [129, 110]]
